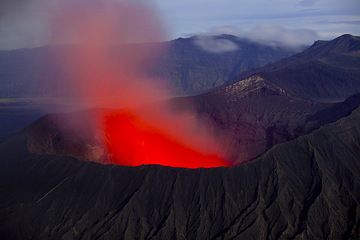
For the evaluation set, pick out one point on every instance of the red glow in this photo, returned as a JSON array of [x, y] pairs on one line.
[[103, 79], [132, 141]]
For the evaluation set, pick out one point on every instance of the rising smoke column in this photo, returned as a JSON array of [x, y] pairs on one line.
[[110, 72]]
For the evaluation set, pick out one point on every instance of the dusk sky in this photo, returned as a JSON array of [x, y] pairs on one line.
[[297, 21]]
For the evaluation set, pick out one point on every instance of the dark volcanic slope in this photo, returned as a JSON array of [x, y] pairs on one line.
[[307, 188], [39, 72], [327, 71], [256, 114]]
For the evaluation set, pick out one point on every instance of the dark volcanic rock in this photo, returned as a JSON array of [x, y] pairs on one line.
[[307, 188]]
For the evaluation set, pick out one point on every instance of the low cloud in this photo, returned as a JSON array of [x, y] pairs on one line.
[[266, 34], [277, 36], [215, 44]]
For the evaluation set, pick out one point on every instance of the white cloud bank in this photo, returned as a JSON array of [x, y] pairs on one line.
[[214, 44], [272, 35]]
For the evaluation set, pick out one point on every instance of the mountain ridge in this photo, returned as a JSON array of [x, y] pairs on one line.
[[326, 71]]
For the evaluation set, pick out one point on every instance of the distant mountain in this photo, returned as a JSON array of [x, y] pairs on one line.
[[188, 67], [193, 68], [303, 189], [327, 71]]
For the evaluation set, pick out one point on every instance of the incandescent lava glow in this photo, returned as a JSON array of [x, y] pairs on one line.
[[133, 141], [112, 73]]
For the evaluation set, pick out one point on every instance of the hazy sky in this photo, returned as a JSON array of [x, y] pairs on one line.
[[22, 22], [327, 17]]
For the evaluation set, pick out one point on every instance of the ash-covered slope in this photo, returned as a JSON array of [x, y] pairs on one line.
[[326, 71], [307, 188], [39, 72]]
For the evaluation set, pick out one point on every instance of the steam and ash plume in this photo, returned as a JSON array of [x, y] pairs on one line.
[[111, 73]]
